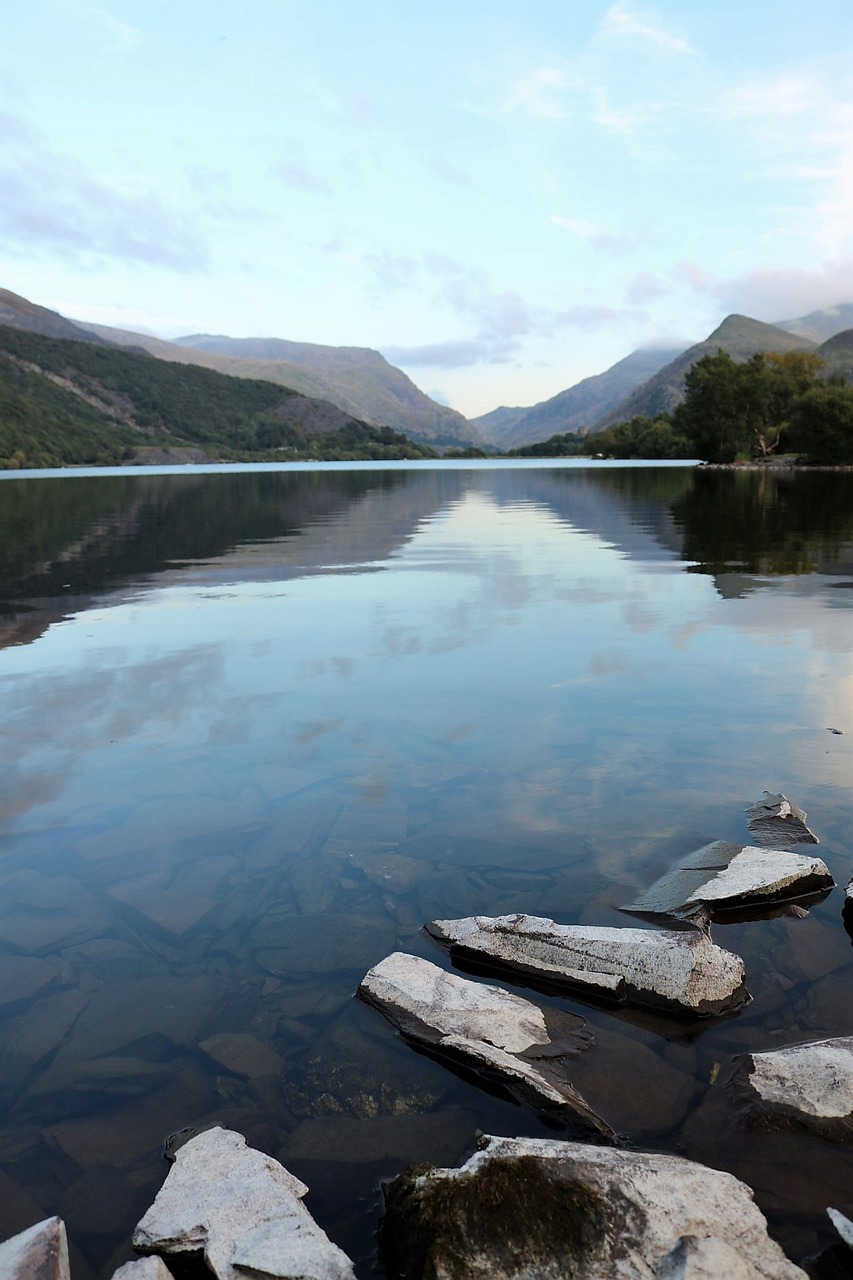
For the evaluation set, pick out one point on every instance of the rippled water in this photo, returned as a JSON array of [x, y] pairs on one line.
[[259, 726]]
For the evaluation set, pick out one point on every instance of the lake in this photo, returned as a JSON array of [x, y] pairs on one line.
[[259, 725]]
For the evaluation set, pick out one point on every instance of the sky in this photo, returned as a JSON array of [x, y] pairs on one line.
[[502, 197]]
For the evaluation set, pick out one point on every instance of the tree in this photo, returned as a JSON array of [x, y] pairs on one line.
[[733, 409], [821, 424], [711, 417]]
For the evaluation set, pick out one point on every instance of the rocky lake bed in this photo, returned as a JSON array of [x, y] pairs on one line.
[[266, 736]]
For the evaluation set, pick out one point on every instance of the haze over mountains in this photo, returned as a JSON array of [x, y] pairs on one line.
[[361, 383]]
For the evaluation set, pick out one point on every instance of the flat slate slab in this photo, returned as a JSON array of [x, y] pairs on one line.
[[498, 1035], [809, 1085], [524, 1207], [724, 876], [776, 823], [679, 970], [243, 1210]]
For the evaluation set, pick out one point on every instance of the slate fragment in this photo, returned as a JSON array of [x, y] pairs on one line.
[[524, 1207], [725, 877], [496, 1034], [805, 1085], [39, 1253], [777, 823], [679, 970], [243, 1210]]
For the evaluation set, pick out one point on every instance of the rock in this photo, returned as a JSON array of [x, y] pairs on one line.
[[22, 976], [144, 1269], [350, 1072], [778, 824], [842, 1225], [244, 1055], [495, 1033], [39, 1253], [807, 1084], [243, 1210], [725, 877], [322, 943], [525, 1207], [679, 970]]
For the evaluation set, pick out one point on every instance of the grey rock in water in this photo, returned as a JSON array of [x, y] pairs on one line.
[[525, 1207], [497, 1034], [39, 1253], [809, 1085], [680, 970], [723, 876], [842, 1225], [243, 1210], [776, 823], [143, 1269]]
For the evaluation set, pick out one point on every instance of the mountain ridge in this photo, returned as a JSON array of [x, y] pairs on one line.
[[575, 408], [740, 336], [358, 380]]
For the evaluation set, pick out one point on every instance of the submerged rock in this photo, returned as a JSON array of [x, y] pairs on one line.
[[39, 1253], [776, 823], [525, 1207], [809, 1085], [723, 876], [243, 1210], [497, 1034], [679, 970]]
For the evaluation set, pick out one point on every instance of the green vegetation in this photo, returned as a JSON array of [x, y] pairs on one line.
[[69, 403]]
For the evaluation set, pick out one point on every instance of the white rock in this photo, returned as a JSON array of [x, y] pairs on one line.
[[487, 1027], [778, 824], [642, 1216], [144, 1269], [240, 1207], [811, 1081], [39, 1253], [842, 1225], [674, 969], [724, 876]]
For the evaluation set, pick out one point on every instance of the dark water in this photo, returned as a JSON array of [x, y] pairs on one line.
[[258, 727]]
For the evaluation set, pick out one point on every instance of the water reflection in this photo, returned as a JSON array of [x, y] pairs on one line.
[[257, 728]]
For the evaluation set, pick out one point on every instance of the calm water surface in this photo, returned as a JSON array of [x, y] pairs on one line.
[[258, 727]]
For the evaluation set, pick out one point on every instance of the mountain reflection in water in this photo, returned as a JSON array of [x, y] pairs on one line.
[[258, 727]]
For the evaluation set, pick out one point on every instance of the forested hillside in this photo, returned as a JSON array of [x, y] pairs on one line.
[[65, 402]]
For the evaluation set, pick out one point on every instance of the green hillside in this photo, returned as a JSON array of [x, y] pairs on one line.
[[67, 402], [357, 380]]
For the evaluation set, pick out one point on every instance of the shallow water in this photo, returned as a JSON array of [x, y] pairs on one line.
[[259, 726]]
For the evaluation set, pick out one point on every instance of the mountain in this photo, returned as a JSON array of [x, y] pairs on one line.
[[739, 336], [358, 380], [71, 402], [571, 410], [20, 313], [837, 352], [820, 325]]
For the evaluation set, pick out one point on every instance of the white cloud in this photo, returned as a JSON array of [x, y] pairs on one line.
[[623, 21], [597, 236], [300, 177], [51, 201], [777, 293], [538, 93]]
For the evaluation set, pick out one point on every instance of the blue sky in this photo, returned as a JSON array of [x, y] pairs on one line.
[[502, 197]]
